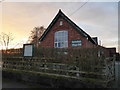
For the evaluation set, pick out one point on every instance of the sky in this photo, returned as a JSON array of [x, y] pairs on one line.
[[98, 19]]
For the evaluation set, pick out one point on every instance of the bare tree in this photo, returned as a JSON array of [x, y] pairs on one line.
[[5, 40], [36, 33]]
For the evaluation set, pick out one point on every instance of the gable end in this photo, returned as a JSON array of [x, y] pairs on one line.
[[60, 13]]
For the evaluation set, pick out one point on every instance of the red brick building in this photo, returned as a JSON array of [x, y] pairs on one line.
[[112, 51], [64, 33]]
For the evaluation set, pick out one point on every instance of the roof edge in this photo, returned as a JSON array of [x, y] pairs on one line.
[[71, 22]]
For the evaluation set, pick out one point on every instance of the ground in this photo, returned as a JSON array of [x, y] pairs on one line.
[[13, 84]]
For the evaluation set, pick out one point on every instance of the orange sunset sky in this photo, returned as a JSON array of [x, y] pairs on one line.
[[95, 18]]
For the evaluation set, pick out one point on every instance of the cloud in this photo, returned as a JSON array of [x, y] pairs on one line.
[[96, 18], [100, 19]]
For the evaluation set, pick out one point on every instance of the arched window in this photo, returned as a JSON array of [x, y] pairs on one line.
[[61, 39]]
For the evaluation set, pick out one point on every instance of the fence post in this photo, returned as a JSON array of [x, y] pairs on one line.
[[77, 67], [45, 66], [114, 58], [77, 74]]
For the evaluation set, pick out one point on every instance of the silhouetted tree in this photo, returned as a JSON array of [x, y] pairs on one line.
[[36, 33], [5, 40]]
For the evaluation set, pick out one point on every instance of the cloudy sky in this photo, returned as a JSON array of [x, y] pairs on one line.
[[95, 18]]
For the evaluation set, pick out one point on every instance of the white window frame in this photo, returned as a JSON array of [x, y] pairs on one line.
[[61, 39], [61, 22]]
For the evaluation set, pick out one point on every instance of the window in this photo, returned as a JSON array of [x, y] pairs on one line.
[[61, 39], [61, 22]]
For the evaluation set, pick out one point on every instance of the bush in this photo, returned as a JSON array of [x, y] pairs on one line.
[[86, 59]]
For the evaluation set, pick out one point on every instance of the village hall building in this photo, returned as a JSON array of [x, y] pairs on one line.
[[64, 33]]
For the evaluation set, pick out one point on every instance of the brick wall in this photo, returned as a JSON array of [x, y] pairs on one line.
[[112, 51], [73, 34]]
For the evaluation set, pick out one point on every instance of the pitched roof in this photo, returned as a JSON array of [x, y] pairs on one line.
[[60, 13]]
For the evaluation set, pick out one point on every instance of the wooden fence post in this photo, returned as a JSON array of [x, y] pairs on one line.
[[77, 74], [114, 58], [45, 66]]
